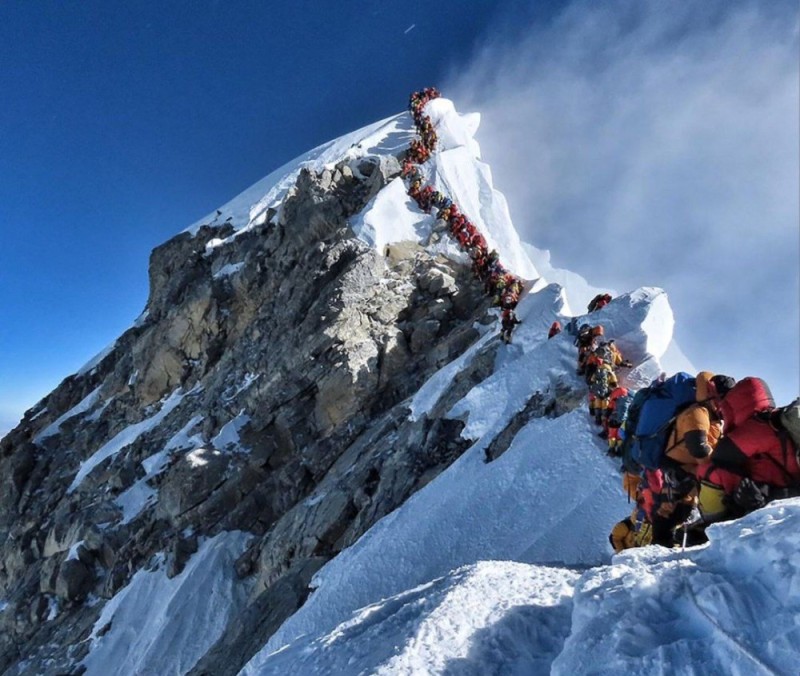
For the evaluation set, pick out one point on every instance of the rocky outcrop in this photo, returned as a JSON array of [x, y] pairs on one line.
[[552, 403], [264, 389]]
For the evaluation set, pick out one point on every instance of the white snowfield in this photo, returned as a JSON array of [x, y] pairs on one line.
[[499, 568], [157, 625], [493, 617], [731, 607], [392, 216]]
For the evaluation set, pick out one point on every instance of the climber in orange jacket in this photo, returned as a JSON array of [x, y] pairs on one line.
[[698, 428]]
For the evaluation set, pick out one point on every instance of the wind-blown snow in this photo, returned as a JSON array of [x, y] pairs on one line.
[[730, 607], [456, 170], [163, 626], [579, 293], [641, 324], [475, 511], [391, 216], [416, 594], [389, 136]]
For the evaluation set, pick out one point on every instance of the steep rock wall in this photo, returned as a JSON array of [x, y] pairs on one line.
[[262, 390]]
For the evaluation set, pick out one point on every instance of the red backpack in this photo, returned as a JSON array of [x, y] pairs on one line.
[[751, 446], [746, 398]]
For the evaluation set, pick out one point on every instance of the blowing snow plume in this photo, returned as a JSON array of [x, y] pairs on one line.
[[306, 405], [654, 144]]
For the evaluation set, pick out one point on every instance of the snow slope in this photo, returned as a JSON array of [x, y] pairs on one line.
[[249, 208], [158, 625], [731, 607], [385, 604], [455, 169], [502, 567], [491, 617], [549, 499], [579, 293]]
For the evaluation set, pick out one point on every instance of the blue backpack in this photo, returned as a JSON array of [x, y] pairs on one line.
[[661, 404], [621, 408]]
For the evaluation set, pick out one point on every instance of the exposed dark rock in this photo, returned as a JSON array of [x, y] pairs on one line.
[[264, 389], [549, 404], [74, 580], [258, 622], [181, 550]]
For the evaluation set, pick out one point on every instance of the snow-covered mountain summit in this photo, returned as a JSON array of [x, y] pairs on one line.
[[280, 467], [455, 169]]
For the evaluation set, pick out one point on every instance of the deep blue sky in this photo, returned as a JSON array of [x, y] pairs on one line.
[[122, 123]]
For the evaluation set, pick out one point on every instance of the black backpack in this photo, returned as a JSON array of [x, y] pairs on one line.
[[789, 417], [599, 384], [584, 332]]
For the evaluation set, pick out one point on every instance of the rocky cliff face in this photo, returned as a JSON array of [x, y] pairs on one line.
[[262, 391]]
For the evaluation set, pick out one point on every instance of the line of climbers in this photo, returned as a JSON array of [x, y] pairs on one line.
[[697, 450], [694, 450], [598, 361], [499, 283]]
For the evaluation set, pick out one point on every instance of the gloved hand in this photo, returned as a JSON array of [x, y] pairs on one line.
[[750, 495], [665, 509]]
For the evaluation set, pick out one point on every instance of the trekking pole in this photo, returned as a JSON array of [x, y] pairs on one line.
[[685, 536]]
